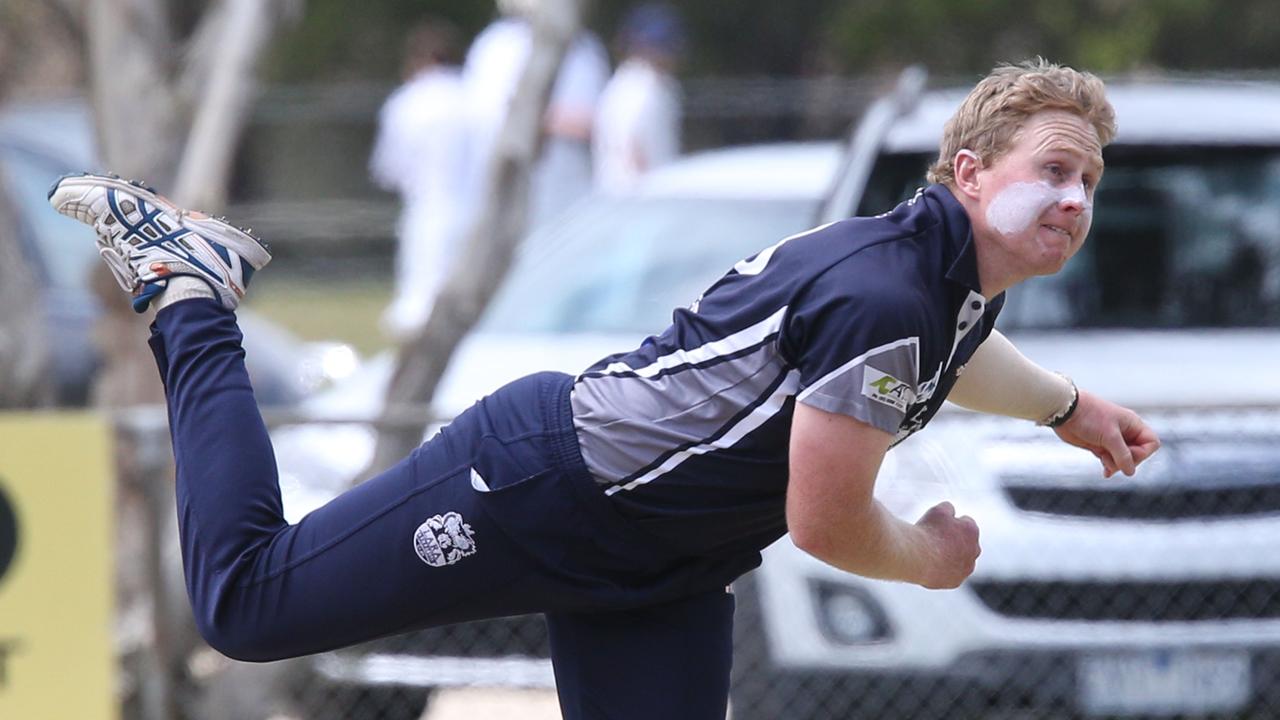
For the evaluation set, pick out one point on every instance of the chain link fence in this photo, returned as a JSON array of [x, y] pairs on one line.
[[1155, 596]]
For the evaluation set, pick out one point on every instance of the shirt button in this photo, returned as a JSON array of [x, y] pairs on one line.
[[975, 305], [963, 324]]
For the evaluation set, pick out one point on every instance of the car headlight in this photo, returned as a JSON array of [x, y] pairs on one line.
[[847, 615], [327, 362]]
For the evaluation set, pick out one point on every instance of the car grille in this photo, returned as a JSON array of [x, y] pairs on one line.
[[1132, 601], [1146, 504], [1201, 472]]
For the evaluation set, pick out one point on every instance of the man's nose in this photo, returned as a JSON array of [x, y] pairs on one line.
[[1073, 200]]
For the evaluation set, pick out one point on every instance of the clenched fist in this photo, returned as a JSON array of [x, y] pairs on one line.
[[954, 548]]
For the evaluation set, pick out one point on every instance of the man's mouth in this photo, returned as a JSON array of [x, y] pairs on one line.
[[1061, 231]]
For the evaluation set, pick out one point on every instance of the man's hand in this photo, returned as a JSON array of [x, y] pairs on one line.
[[955, 545], [833, 515], [1114, 434]]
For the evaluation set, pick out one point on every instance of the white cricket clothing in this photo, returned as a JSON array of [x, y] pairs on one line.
[[495, 63], [637, 126], [422, 153]]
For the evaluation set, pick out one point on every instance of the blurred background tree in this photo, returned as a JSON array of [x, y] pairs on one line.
[[1106, 36], [755, 37], [755, 71]]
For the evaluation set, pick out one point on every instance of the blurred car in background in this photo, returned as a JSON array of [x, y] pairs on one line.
[[39, 142], [1152, 595]]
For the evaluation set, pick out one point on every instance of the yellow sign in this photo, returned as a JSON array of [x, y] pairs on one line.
[[55, 567]]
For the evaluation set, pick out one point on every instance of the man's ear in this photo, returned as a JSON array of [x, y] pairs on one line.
[[965, 167]]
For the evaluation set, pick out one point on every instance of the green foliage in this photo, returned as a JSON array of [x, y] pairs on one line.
[[342, 309], [955, 38], [753, 37], [342, 40], [1224, 35], [1107, 36]]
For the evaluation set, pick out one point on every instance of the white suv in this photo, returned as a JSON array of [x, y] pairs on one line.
[[1152, 595]]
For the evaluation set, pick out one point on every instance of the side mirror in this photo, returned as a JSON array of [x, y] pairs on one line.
[[865, 143]]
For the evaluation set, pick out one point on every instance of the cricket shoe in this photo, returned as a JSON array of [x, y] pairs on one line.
[[145, 239]]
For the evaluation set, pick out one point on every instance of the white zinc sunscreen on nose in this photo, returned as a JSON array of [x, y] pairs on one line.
[[1020, 204]]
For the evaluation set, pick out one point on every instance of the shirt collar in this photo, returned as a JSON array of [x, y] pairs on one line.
[[960, 248]]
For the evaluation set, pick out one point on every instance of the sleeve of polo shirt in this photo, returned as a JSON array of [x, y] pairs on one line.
[[855, 341]]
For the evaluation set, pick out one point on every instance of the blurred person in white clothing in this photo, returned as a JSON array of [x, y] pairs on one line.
[[421, 153], [494, 66], [638, 124]]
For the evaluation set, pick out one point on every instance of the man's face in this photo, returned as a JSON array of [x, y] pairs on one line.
[[1037, 199]]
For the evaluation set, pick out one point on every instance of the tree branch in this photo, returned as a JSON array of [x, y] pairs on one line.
[[226, 48], [130, 50]]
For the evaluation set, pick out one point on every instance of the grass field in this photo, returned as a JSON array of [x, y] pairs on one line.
[[345, 309]]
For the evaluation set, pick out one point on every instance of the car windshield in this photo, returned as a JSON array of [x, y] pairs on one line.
[[1182, 238], [65, 249], [621, 265]]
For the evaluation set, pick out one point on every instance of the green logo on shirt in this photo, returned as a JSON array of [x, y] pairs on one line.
[[885, 388], [889, 385]]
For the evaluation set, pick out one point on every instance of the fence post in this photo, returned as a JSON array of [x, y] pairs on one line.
[[147, 463]]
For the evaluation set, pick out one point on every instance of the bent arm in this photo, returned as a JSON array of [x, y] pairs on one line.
[[1000, 380], [833, 515]]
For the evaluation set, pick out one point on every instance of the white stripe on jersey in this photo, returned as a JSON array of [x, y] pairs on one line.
[[740, 340], [757, 264], [913, 341], [757, 417]]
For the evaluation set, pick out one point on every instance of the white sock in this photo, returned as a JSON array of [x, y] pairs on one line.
[[183, 287]]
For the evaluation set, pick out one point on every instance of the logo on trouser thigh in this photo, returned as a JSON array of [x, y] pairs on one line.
[[444, 540]]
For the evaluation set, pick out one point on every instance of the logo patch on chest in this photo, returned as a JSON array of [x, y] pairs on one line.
[[444, 540], [887, 389]]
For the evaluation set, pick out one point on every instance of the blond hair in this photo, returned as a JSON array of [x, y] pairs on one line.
[[989, 119]]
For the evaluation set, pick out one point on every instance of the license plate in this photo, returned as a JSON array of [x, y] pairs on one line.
[[1164, 682]]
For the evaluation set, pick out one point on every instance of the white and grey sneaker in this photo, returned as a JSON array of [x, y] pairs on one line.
[[145, 239]]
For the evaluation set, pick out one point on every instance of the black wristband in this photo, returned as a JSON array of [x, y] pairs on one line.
[[1061, 418]]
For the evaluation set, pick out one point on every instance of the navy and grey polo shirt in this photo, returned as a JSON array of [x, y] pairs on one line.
[[867, 317]]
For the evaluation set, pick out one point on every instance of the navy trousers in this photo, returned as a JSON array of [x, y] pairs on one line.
[[496, 515]]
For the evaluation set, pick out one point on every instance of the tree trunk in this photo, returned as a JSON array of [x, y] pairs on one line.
[[501, 222], [229, 47], [135, 105], [142, 97]]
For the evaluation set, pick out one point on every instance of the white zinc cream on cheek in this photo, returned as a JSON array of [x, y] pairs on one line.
[[1019, 205]]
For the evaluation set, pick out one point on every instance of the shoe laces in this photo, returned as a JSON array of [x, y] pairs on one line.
[[120, 268]]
